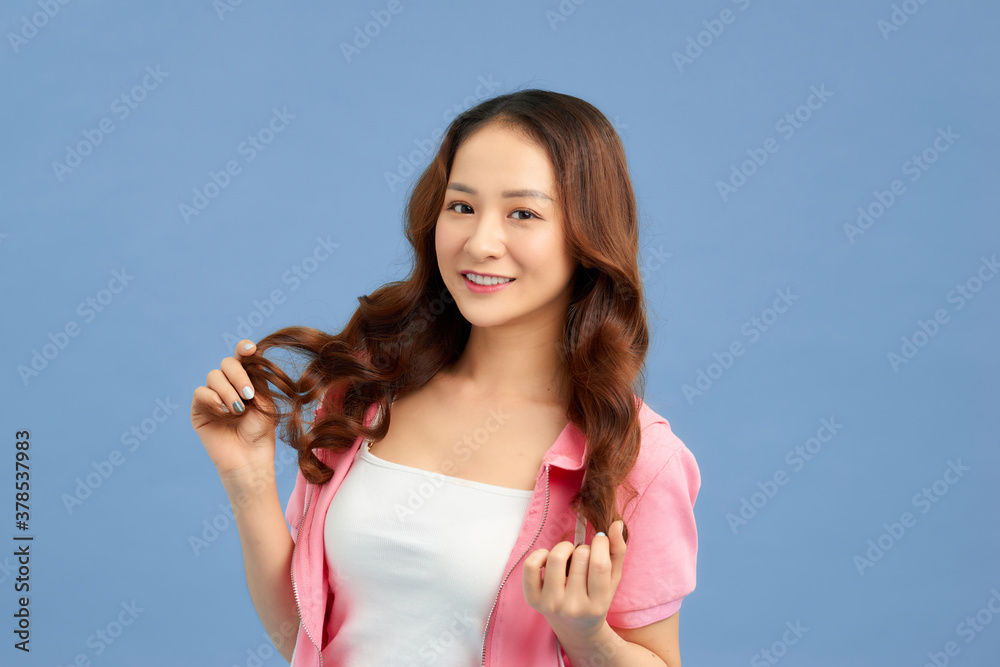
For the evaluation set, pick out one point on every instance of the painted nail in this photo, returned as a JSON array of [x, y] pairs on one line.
[[224, 408], [248, 346], [238, 407], [601, 533], [248, 392]]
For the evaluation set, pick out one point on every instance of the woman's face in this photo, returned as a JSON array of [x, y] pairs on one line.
[[500, 218]]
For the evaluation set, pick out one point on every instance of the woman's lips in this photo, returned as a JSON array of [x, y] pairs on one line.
[[476, 288]]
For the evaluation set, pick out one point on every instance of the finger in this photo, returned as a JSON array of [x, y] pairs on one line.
[[245, 348], [617, 549], [210, 399], [599, 573], [220, 384], [556, 567], [238, 377], [531, 576], [578, 568]]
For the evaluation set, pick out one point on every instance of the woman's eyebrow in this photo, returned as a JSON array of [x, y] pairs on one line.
[[523, 192]]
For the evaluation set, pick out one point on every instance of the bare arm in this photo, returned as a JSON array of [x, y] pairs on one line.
[[242, 447], [267, 553]]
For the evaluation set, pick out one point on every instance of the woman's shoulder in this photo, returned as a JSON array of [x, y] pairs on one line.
[[660, 566], [661, 449]]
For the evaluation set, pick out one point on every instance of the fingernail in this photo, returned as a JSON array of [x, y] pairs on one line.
[[601, 533], [224, 408], [238, 407], [248, 392], [248, 346]]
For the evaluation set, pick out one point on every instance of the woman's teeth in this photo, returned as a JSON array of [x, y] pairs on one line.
[[481, 280]]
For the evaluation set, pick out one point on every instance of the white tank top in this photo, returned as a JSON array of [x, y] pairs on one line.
[[415, 560]]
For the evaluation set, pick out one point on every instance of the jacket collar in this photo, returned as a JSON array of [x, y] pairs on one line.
[[568, 450]]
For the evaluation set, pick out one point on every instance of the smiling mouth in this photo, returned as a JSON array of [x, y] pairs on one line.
[[486, 280]]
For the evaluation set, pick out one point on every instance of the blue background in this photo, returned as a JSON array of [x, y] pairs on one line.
[[711, 262]]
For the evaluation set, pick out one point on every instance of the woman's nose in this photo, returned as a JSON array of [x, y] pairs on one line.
[[487, 239]]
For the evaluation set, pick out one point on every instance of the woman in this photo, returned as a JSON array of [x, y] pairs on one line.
[[487, 521]]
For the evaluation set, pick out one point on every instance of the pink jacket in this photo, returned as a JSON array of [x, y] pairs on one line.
[[658, 571]]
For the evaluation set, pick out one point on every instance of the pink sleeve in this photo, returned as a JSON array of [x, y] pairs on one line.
[[660, 561]]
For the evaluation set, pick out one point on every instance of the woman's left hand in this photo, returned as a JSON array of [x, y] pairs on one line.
[[576, 603]]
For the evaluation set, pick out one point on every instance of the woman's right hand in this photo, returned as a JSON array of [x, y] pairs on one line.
[[244, 445]]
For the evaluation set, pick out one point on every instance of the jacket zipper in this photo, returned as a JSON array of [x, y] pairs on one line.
[[545, 511], [295, 590]]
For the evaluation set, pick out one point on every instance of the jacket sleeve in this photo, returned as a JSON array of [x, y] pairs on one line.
[[660, 560]]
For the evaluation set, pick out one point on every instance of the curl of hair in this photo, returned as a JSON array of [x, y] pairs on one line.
[[403, 333]]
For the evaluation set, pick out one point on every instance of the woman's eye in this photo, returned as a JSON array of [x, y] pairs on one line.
[[458, 203], [529, 215]]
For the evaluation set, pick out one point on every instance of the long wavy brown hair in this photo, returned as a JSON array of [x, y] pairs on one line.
[[403, 333]]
